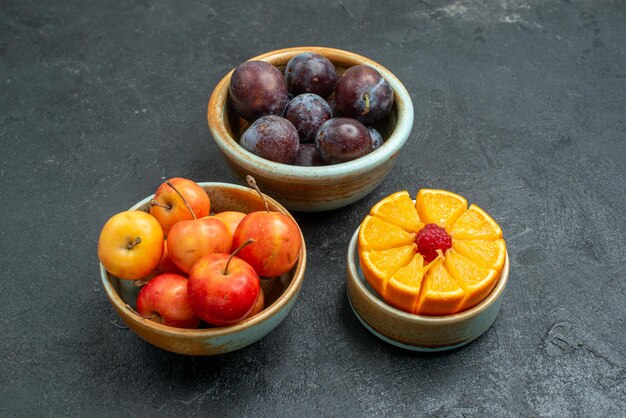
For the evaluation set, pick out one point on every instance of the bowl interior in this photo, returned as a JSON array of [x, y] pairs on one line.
[[223, 197]]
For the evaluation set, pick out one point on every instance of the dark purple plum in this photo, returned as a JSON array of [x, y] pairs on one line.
[[272, 137], [377, 138], [362, 93], [333, 106], [342, 139], [307, 112], [257, 89], [311, 73], [308, 156]]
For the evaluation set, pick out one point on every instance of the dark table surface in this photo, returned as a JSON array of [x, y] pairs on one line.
[[519, 107]]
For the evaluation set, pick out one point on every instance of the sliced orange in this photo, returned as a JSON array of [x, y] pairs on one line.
[[439, 207], [490, 254], [457, 279], [399, 210], [379, 265], [376, 234], [475, 224], [404, 285], [476, 280], [441, 294]]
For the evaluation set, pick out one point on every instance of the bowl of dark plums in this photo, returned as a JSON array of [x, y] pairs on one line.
[[318, 128]]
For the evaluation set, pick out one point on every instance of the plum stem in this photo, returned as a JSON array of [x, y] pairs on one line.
[[248, 241], [366, 97], [169, 183], [132, 245], [252, 182]]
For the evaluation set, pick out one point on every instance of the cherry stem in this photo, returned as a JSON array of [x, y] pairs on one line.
[[252, 182], [140, 283], [132, 245], [366, 97], [161, 205], [169, 183], [248, 242]]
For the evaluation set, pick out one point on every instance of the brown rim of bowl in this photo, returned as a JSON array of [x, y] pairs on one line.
[[283, 299], [445, 319], [216, 117]]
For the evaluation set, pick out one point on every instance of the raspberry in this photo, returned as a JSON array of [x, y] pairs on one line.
[[430, 239]]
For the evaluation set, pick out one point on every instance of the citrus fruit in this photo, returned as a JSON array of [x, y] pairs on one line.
[[406, 257]]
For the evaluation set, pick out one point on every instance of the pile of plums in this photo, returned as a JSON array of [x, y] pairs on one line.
[[310, 116]]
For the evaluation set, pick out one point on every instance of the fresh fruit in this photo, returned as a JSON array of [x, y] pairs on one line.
[[307, 112], [188, 241], [273, 138], [231, 219], [275, 240], [340, 140], [431, 239], [310, 73], [258, 306], [377, 138], [257, 89], [130, 244], [169, 207], [362, 93], [475, 224], [431, 257], [308, 156], [223, 289], [165, 300]]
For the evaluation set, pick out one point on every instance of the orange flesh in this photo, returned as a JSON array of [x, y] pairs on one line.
[[457, 279]]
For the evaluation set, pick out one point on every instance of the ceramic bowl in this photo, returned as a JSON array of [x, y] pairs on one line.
[[280, 296], [312, 189], [418, 332]]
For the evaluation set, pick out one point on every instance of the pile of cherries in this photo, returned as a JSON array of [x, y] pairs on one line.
[[310, 116]]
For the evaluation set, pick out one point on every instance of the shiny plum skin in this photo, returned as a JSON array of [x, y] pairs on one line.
[[362, 93], [377, 138], [257, 89], [308, 156], [310, 73], [342, 139], [273, 138], [307, 112]]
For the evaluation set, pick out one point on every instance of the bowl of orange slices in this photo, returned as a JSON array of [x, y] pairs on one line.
[[427, 274]]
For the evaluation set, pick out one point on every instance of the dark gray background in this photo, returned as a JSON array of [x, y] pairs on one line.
[[519, 107]]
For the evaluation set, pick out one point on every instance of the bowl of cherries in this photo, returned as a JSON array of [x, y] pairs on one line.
[[202, 268], [319, 128]]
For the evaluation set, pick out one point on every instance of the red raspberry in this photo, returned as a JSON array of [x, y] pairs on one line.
[[430, 239]]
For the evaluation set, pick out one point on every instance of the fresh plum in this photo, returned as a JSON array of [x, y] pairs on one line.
[[272, 137], [257, 89], [308, 156], [342, 139], [311, 73], [362, 93], [307, 112]]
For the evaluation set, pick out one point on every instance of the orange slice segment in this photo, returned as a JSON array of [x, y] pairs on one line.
[[376, 234], [379, 265], [404, 285], [475, 224], [476, 280], [399, 210], [441, 294], [489, 254], [439, 207]]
